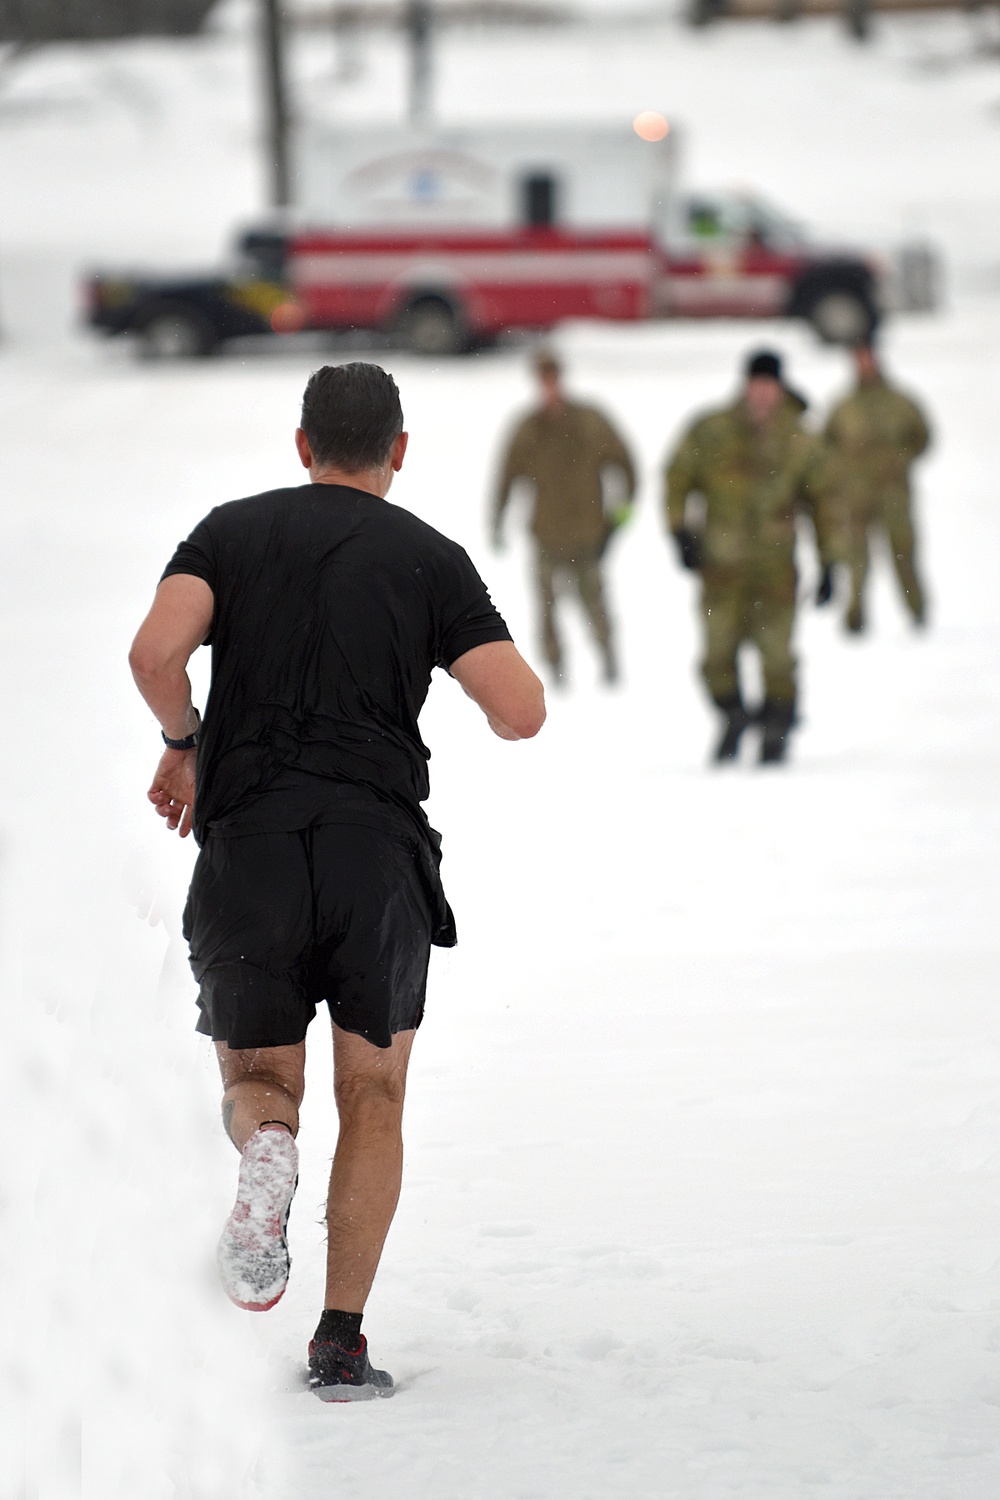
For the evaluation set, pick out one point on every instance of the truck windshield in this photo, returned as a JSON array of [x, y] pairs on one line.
[[772, 227], [727, 217]]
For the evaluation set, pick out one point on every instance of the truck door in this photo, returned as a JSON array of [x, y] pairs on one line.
[[720, 263]]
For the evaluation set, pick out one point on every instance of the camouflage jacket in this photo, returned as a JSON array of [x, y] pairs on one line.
[[871, 439], [563, 454], [751, 482]]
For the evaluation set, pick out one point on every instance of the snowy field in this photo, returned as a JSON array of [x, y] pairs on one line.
[[701, 1195]]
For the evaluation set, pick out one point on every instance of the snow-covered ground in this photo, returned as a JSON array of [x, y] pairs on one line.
[[701, 1196]]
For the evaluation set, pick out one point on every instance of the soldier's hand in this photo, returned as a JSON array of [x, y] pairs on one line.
[[824, 589], [688, 548]]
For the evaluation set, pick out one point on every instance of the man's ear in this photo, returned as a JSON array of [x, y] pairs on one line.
[[303, 449], [399, 451]]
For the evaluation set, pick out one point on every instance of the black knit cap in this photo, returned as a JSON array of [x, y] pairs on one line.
[[764, 363]]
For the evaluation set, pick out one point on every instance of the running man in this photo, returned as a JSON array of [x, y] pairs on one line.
[[318, 878]]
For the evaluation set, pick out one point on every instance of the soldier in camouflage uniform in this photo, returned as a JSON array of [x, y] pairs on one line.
[[565, 451], [872, 438], [734, 486]]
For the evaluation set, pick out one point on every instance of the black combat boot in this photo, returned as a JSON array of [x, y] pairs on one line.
[[776, 720], [737, 720]]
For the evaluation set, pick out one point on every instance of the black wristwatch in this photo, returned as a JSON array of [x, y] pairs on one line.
[[189, 742]]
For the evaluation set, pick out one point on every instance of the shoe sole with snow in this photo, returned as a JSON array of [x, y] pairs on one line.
[[253, 1256]]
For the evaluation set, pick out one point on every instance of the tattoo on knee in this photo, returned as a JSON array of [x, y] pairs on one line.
[[228, 1106]]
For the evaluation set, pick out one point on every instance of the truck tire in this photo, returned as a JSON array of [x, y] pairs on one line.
[[841, 315], [431, 326], [175, 330]]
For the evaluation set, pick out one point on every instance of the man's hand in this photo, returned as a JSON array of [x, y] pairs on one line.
[[614, 521], [172, 792], [501, 730], [824, 589], [688, 545]]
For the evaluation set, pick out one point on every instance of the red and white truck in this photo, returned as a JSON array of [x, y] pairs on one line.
[[446, 240]]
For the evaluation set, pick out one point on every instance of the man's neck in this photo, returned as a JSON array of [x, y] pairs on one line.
[[371, 481], [758, 421]]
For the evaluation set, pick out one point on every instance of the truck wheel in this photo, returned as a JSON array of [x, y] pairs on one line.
[[841, 316], [176, 332], [430, 326]]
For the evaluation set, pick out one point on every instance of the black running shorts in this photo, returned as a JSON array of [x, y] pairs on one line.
[[279, 922]]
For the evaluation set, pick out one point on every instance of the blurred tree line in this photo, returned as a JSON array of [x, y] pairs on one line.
[[28, 21]]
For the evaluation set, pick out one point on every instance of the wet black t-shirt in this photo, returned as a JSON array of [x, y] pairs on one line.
[[332, 607]]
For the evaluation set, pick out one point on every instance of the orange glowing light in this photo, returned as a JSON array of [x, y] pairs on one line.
[[288, 317], [649, 126]]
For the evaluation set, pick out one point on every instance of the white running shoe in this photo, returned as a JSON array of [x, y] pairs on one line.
[[253, 1251]]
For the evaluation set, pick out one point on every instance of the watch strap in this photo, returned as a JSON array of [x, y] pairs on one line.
[[189, 742]]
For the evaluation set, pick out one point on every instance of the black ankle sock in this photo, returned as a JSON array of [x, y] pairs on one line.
[[340, 1328]]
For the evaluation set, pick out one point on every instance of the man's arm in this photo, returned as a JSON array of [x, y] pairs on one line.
[[175, 627], [918, 434], [680, 480], [497, 677], [614, 453], [810, 491]]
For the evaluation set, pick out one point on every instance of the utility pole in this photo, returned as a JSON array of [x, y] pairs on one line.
[[418, 25], [272, 30]]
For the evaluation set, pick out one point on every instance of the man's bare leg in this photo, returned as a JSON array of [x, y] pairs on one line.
[[263, 1084], [369, 1084], [264, 1088]]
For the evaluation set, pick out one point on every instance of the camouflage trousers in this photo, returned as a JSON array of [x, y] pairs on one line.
[[889, 514], [579, 569], [738, 610]]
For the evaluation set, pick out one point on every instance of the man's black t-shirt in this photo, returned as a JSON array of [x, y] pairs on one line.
[[332, 607]]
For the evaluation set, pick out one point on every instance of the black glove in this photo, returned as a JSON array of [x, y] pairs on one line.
[[689, 548], [824, 589]]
